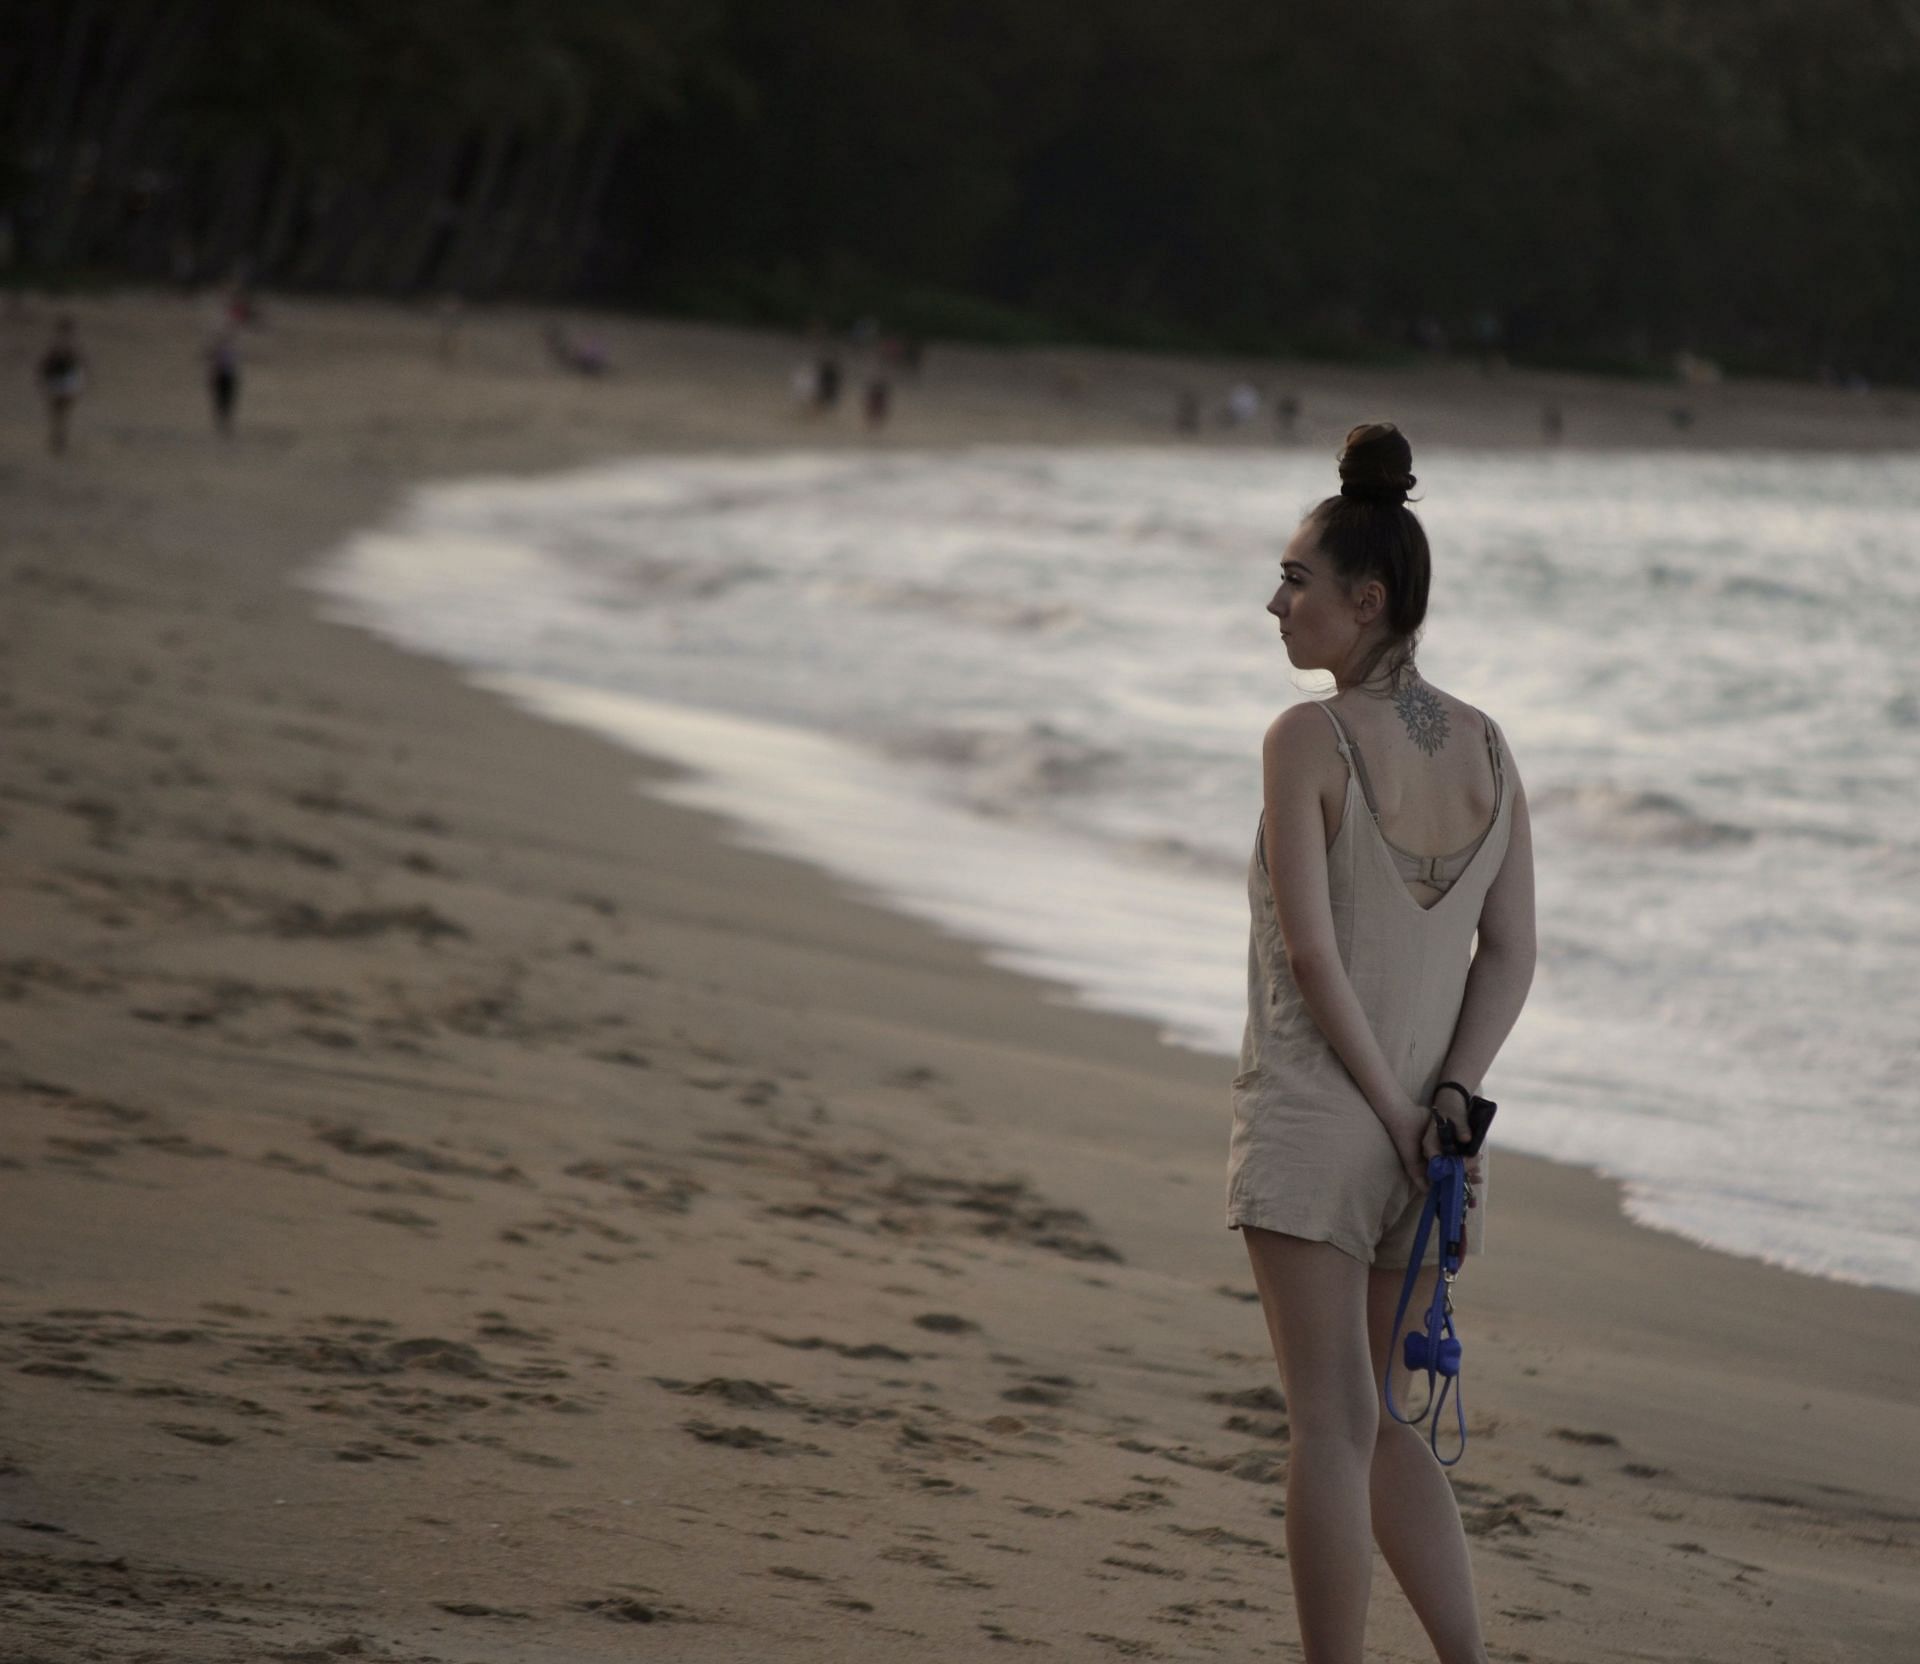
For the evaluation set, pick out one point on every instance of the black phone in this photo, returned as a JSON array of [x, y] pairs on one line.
[[1479, 1119]]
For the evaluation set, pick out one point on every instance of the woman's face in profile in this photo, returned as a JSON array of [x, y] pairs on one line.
[[1316, 618]]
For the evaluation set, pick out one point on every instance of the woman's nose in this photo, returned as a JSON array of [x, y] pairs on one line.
[[1278, 605]]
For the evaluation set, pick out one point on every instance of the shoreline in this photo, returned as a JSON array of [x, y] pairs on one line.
[[855, 801], [406, 1089]]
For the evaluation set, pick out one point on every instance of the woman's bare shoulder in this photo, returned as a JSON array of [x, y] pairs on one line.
[[1463, 716], [1302, 754], [1300, 733], [1474, 722]]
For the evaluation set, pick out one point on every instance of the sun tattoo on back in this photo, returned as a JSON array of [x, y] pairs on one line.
[[1420, 709]]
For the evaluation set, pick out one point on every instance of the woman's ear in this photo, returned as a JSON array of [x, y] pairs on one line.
[[1369, 601]]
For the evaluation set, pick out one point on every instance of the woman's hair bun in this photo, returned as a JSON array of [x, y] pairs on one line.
[[1376, 464]]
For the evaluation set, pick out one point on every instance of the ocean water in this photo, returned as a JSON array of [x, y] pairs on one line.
[[1021, 693]]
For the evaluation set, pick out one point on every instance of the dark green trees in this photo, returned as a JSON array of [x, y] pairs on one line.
[[1602, 181]]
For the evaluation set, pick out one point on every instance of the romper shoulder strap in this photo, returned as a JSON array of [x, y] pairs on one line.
[[1355, 762], [1496, 753], [1339, 729]]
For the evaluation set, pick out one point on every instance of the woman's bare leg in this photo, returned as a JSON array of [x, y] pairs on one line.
[[1315, 1300], [1416, 1519]]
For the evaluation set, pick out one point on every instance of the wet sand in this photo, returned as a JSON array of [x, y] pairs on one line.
[[459, 1207]]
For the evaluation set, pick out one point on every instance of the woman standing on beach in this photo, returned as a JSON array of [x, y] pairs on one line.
[[1392, 949]]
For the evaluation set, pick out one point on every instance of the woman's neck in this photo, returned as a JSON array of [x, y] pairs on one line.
[[1376, 675]]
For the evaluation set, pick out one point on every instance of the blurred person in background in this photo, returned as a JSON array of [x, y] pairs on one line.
[[63, 378], [223, 377]]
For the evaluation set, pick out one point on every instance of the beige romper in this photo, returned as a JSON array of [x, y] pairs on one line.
[[1308, 1156]]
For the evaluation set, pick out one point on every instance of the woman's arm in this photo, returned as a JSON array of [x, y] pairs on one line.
[[1503, 961], [1299, 761]]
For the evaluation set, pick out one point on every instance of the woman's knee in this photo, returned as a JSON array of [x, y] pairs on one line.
[[1314, 1296], [1345, 1413]]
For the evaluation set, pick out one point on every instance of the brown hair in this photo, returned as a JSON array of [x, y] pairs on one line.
[[1369, 532]]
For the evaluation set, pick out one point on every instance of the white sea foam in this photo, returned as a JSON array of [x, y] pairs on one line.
[[1053, 668]]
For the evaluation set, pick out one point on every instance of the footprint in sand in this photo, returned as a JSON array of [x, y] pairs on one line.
[[1217, 1537], [369, 1356], [645, 1181], [353, 1141], [369, 1451], [864, 1350], [299, 919], [1264, 1397], [406, 1218], [780, 1273], [196, 1434], [1257, 1467], [748, 1438], [58, 1371], [946, 1323], [244, 841], [626, 1609], [624, 1055], [757, 1395], [1049, 1390], [1130, 1502], [744, 1395], [498, 1326], [1147, 1568], [1508, 1515], [1005, 1637], [75, 1103]]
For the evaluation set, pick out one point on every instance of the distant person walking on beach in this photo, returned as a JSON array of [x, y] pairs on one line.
[[1391, 887], [826, 381], [585, 355], [63, 378], [223, 377]]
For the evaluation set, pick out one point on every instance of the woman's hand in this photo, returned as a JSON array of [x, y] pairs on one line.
[[1430, 1138], [1411, 1128]]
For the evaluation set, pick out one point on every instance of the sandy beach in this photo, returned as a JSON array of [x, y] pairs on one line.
[[460, 1207]]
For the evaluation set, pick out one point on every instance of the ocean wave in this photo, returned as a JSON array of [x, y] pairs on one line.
[[1642, 819], [651, 580], [1167, 851], [1767, 589], [1001, 767], [998, 612]]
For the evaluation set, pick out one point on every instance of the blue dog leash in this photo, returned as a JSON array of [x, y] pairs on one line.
[[1436, 1349]]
